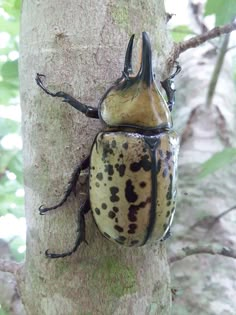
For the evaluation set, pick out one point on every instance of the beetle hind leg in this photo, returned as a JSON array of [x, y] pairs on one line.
[[81, 232], [71, 186]]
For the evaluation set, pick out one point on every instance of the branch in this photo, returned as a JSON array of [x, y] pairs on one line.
[[209, 221], [10, 266], [217, 218], [195, 41], [211, 249]]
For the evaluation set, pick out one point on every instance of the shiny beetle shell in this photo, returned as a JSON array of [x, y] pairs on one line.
[[133, 185], [133, 160]]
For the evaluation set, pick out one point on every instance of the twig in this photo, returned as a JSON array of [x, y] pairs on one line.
[[195, 41], [10, 266], [209, 221], [231, 47], [211, 249], [217, 218], [197, 13], [217, 69]]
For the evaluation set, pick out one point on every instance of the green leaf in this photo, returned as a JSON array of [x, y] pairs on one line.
[[7, 91], [10, 26], [180, 32], [217, 161], [15, 166], [9, 70], [224, 10], [8, 126], [14, 246], [12, 7]]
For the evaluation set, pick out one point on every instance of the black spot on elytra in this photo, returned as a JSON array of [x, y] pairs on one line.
[[168, 155], [97, 211], [132, 228], [120, 239], [99, 176], [106, 235], [143, 163], [125, 145], [114, 191], [121, 156], [165, 226], [113, 143], [142, 184], [111, 214], [109, 178], [115, 209], [106, 150], [109, 169], [120, 169], [97, 184], [168, 203], [167, 213], [133, 209], [130, 194], [104, 206], [165, 172], [118, 228], [161, 153], [116, 220], [169, 192], [172, 210]]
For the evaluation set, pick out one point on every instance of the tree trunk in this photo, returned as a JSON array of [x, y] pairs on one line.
[[80, 47]]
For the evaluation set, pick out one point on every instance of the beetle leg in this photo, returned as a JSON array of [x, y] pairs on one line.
[[169, 87], [89, 111], [81, 232], [71, 186]]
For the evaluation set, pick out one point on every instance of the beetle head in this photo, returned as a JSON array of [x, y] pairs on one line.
[[134, 100]]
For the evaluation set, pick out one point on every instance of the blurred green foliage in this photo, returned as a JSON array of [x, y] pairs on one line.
[[11, 177], [218, 161], [224, 10]]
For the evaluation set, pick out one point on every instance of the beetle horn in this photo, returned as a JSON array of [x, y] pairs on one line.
[[128, 57], [145, 73]]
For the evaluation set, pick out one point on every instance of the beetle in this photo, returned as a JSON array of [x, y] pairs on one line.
[[133, 160]]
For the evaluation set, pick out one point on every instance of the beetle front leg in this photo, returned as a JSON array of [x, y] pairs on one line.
[[169, 87], [81, 232], [71, 186], [89, 111]]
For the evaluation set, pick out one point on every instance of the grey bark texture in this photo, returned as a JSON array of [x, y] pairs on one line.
[[80, 46]]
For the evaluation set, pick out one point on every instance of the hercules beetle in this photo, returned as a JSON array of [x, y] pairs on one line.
[[133, 161]]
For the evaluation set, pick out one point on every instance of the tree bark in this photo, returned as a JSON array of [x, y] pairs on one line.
[[80, 47]]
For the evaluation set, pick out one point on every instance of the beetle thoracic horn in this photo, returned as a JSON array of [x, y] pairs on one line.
[[128, 57], [145, 73]]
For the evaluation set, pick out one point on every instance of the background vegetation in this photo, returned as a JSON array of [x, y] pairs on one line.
[[12, 224]]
